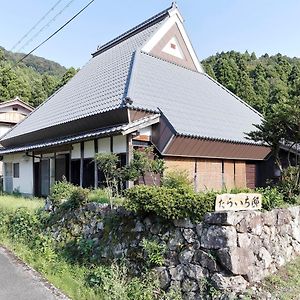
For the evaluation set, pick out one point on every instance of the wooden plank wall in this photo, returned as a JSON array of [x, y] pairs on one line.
[[212, 174], [251, 175]]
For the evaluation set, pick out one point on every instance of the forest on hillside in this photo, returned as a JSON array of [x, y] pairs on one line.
[[261, 82], [33, 80]]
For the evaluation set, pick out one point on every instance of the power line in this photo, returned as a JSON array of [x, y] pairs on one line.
[[35, 25], [53, 34], [45, 26]]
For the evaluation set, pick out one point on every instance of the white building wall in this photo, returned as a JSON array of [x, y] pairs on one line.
[[89, 149], [75, 154], [4, 129], [104, 145], [119, 144], [24, 184], [146, 131]]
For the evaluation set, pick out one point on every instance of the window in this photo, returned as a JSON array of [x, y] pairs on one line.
[[15, 108], [16, 170]]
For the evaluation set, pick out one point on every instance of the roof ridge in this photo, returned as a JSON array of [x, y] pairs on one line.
[[154, 19]]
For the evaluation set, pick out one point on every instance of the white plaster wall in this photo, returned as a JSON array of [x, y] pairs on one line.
[[75, 154], [89, 149], [119, 144], [25, 182], [146, 131], [4, 129], [104, 145]]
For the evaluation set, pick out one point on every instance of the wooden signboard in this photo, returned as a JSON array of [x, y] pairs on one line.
[[243, 201]]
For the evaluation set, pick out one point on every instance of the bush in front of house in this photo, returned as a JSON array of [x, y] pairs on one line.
[[60, 192], [169, 203]]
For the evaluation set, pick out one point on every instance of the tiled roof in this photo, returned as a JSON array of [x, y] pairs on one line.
[[83, 136], [193, 103], [98, 87]]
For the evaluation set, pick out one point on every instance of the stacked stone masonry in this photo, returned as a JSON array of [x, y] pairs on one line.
[[230, 250]]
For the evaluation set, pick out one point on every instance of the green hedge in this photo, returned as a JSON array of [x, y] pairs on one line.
[[169, 203]]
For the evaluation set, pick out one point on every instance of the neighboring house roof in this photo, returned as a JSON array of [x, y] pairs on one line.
[[16, 101], [193, 103]]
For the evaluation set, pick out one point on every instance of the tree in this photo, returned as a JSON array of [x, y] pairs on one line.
[[66, 77]]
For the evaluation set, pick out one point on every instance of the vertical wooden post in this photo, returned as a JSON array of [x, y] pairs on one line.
[[95, 164], [70, 166], [129, 156], [111, 144], [33, 179], [196, 175], [81, 163]]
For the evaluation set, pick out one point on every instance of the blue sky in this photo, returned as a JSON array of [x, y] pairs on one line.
[[262, 26]]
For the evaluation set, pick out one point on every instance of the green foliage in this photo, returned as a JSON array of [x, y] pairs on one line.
[[261, 81], [70, 267], [271, 198], [23, 225], [169, 203], [112, 283], [99, 196], [155, 252], [61, 191], [145, 161], [289, 185], [79, 197], [176, 179], [34, 80]]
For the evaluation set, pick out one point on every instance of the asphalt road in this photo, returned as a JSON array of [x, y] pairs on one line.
[[19, 282]]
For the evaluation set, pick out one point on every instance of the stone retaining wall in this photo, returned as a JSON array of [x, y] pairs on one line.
[[228, 250]]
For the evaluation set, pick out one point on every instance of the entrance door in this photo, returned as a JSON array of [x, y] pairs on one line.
[[37, 180], [45, 177], [8, 177], [62, 167]]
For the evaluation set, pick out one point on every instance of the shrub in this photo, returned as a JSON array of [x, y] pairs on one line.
[[176, 180], [289, 185], [99, 196], [78, 197], [23, 225], [61, 191], [271, 198], [155, 252], [169, 203]]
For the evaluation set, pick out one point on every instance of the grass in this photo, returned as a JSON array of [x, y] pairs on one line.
[[285, 284], [12, 203], [67, 277], [65, 272]]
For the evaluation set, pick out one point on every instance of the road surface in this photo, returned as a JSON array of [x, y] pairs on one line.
[[19, 282]]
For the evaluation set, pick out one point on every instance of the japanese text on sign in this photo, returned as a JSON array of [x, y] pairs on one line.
[[243, 201]]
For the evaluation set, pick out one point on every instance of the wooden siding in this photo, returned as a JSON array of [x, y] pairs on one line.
[[210, 174], [181, 165], [162, 133], [240, 174], [138, 114], [251, 175], [229, 174]]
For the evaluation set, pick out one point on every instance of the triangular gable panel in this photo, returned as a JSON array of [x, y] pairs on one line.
[[172, 47]]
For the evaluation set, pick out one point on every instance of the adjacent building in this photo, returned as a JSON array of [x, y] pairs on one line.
[[145, 87]]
